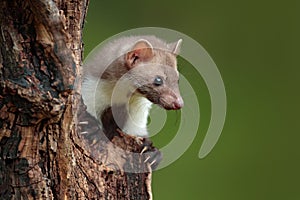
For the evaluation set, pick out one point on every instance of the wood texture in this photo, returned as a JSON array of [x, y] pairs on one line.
[[44, 152]]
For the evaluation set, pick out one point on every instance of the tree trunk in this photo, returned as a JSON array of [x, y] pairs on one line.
[[44, 152]]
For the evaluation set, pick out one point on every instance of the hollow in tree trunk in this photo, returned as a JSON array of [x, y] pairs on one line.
[[50, 148]]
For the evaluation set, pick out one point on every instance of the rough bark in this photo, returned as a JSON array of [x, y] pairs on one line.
[[44, 154]]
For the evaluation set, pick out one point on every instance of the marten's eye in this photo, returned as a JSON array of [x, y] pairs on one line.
[[158, 81]]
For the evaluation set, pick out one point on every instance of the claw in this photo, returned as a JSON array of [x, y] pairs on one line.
[[146, 159], [83, 123], [154, 161], [139, 140], [143, 150]]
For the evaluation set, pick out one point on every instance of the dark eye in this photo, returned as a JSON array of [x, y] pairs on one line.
[[158, 81]]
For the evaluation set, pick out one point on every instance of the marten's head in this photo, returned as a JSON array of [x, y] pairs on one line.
[[153, 71]]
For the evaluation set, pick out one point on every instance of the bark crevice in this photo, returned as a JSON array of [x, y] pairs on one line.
[[43, 151]]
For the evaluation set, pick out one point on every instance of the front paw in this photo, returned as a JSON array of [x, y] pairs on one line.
[[151, 155]]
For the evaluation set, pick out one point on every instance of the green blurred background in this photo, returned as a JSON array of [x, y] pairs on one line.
[[256, 47]]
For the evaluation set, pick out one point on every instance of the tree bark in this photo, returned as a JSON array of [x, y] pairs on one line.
[[45, 153]]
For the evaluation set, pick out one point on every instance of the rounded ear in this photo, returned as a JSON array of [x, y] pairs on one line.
[[141, 51], [175, 47]]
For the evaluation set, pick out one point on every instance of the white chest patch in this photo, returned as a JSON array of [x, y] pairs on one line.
[[97, 100], [136, 124]]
